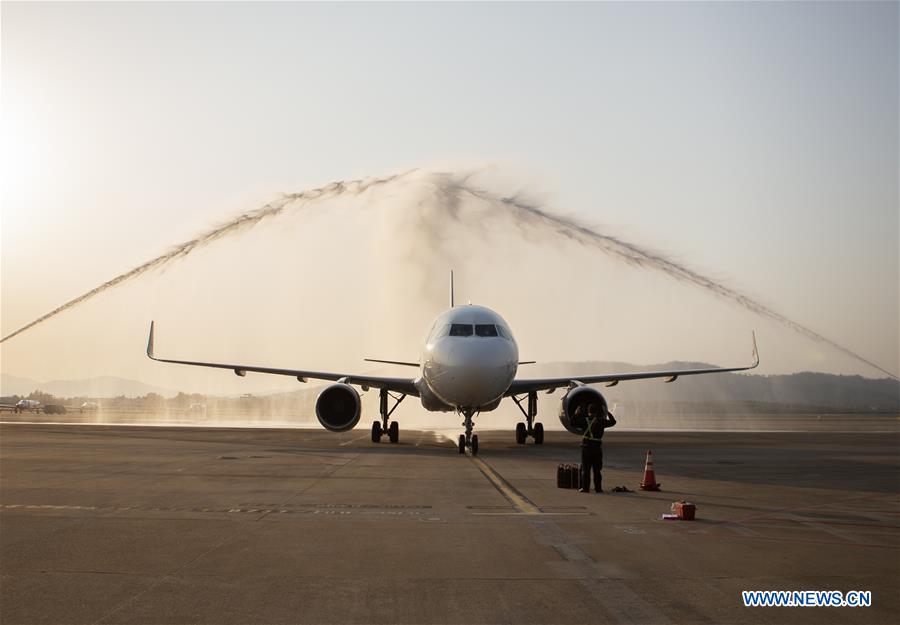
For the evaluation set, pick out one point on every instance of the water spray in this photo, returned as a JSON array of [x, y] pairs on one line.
[[450, 191]]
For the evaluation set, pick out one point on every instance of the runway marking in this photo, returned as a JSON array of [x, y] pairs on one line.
[[338, 505], [353, 440], [519, 501], [618, 601], [12, 506], [821, 527], [363, 510], [822, 542]]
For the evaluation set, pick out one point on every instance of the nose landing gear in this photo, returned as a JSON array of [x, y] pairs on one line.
[[392, 429], [535, 430], [468, 439]]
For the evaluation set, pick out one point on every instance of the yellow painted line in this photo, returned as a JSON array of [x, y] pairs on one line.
[[518, 501]]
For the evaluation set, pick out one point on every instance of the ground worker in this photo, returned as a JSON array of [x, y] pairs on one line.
[[592, 446]]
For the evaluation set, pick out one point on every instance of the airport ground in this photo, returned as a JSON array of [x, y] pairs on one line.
[[107, 524]]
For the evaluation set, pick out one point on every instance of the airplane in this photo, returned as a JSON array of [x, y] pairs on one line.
[[468, 365], [24, 405]]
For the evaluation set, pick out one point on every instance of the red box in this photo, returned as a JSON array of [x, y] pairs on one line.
[[684, 510]]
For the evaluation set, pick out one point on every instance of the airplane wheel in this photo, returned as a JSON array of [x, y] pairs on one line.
[[474, 444], [521, 433], [538, 433], [462, 443], [376, 431], [394, 432]]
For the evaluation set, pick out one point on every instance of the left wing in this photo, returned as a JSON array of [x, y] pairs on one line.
[[519, 387], [399, 385]]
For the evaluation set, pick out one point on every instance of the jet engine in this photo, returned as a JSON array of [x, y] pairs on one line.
[[579, 396], [338, 408]]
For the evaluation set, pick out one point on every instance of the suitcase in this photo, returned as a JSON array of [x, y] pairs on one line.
[[568, 476], [561, 476]]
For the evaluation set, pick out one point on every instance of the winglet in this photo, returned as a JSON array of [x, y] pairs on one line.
[[451, 289], [150, 343], [755, 352]]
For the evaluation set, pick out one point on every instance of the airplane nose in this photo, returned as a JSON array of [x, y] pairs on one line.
[[466, 355], [472, 372]]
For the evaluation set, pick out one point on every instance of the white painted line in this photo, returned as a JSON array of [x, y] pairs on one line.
[[353, 440]]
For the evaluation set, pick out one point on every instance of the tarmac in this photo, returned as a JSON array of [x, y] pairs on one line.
[[106, 524]]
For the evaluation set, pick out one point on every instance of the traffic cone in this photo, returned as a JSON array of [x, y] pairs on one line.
[[649, 482]]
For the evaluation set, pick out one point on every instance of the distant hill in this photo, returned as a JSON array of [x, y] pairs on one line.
[[103, 386], [802, 391], [15, 385], [821, 390]]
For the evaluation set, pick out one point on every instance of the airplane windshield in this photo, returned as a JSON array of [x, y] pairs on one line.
[[486, 330], [480, 329], [460, 329]]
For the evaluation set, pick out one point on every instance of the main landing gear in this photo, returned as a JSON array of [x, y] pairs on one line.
[[382, 427], [535, 430], [468, 439]]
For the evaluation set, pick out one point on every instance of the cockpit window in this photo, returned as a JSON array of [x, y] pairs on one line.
[[438, 332], [486, 329], [504, 332], [460, 329]]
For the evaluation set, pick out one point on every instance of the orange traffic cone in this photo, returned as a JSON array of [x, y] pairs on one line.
[[649, 481]]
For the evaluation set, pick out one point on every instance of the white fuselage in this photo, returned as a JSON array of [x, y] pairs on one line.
[[469, 361]]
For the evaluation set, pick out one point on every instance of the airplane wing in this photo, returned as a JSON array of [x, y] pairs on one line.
[[519, 387], [398, 385]]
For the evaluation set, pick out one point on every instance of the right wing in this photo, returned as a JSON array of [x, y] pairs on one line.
[[611, 379], [399, 385]]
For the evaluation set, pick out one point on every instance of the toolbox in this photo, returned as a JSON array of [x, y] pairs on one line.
[[684, 510]]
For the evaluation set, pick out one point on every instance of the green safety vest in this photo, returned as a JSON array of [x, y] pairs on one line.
[[588, 434]]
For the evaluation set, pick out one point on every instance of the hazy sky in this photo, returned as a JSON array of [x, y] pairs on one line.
[[757, 142]]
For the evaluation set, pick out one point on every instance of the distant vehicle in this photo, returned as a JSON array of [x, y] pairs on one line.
[[25, 405], [468, 365], [54, 409], [88, 406]]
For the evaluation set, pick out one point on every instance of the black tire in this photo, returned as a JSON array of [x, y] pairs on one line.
[[474, 444], [521, 433], [462, 443], [394, 432], [376, 431], [538, 433]]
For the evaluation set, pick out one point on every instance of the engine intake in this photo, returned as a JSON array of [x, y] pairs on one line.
[[582, 396], [338, 408]]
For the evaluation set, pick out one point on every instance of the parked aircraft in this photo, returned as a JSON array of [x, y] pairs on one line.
[[26, 405]]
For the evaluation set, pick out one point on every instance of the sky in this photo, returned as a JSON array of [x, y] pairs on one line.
[[754, 142]]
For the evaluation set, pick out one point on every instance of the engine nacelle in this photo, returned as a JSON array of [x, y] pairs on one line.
[[338, 408], [579, 396]]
